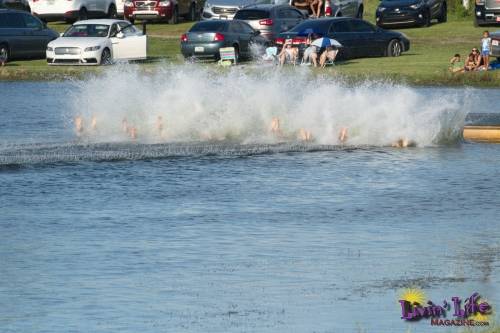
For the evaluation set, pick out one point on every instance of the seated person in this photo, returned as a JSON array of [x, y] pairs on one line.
[[330, 54], [311, 52], [471, 64], [288, 53], [457, 66]]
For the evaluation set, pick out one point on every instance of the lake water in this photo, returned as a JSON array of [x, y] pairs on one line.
[[216, 225]]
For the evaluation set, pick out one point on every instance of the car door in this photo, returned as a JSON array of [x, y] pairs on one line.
[[341, 31], [369, 41], [36, 34], [129, 44], [246, 36], [14, 32]]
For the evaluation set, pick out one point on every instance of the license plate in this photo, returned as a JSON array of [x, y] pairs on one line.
[[199, 49], [494, 42]]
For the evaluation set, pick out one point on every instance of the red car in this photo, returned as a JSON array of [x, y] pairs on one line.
[[160, 10]]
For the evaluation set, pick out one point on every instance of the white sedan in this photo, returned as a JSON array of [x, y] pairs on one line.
[[94, 42]]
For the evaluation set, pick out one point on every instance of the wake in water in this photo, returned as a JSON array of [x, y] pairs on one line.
[[192, 103]]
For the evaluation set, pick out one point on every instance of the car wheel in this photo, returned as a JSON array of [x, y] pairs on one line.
[[443, 16], [112, 11], [175, 16], [192, 12], [106, 57], [4, 53], [394, 48], [360, 12], [82, 14]]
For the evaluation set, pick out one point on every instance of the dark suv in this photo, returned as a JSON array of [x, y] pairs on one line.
[[487, 12], [270, 20], [22, 35], [16, 4], [410, 12]]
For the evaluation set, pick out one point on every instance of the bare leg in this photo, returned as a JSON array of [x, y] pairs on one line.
[[159, 125], [93, 123], [314, 58], [125, 128], [276, 127], [318, 12], [78, 125], [133, 133], [343, 135]]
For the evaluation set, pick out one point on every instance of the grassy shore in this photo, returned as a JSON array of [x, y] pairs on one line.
[[425, 64]]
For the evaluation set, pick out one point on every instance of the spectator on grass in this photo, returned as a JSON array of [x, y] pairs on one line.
[[329, 54], [288, 53], [486, 49], [457, 66], [472, 62], [311, 52]]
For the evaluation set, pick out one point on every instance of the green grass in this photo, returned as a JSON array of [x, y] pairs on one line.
[[425, 64]]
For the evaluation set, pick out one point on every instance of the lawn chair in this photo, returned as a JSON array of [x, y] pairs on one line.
[[271, 55]]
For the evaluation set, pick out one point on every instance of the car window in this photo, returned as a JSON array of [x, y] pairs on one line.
[[251, 14], [361, 26], [292, 13], [113, 30], [282, 13], [208, 26], [32, 22], [87, 30], [246, 28], [318, 26], [127, 29], [12, 20], [341, 26]]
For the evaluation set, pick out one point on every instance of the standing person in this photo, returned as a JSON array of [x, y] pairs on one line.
[[316, 7], [486, 49]]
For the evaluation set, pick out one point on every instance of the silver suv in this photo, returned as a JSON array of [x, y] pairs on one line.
[[223, 9]]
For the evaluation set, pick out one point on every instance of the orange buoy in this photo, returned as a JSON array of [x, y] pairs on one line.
[[482, 133]]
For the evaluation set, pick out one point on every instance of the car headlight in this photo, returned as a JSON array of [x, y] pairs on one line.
[[381, 9], [164, 3], [50, 49], [92, 48], [416, 6]]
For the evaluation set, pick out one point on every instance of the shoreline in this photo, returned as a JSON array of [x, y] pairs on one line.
[[490, 79]]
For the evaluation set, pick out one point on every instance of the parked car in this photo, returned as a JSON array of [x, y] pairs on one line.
[[335, 8], [161, 10], [487, 12], [359, 38], [22, 35], [16, 4], [205, 39], [120, 8], [495, 44], [270, 20], [94, 42], [73, 10], [223, 9], [410, 12]]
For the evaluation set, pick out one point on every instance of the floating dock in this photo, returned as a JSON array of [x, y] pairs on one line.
[[482, 127]]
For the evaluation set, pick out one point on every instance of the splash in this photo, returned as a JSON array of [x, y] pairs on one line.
[[193, 103]]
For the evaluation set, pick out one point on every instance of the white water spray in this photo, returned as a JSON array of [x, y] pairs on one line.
[[193, 103]]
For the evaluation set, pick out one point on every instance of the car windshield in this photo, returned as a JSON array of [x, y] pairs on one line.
[[208, 26], [314, 25], [251, 14], [87, 30]]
